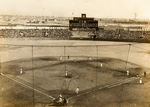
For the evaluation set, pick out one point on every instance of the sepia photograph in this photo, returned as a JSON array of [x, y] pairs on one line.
[[74, 53]]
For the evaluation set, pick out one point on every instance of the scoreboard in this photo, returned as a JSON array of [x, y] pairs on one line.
[[83, 23]]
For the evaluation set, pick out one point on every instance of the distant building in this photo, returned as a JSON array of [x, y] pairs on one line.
[[83, 22]]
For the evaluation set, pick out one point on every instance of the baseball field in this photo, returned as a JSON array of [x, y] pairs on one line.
[[33, 73]]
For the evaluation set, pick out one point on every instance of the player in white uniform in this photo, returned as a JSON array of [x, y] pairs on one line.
[[77, 90]]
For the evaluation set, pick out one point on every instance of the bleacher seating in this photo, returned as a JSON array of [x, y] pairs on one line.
[[38, 33], [122, 35]]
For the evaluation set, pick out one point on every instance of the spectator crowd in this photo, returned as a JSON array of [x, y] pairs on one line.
[[66, 34]]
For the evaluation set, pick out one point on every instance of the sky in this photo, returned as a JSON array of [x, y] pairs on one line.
[[70, 8]]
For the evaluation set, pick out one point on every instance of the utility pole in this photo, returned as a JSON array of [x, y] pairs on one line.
[[135, 16]]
